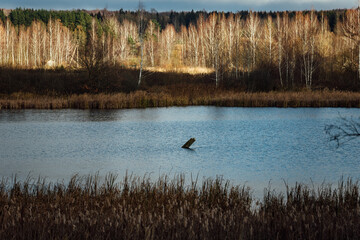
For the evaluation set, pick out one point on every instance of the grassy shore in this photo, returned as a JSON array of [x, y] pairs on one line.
[[195, 97], [138, 208]]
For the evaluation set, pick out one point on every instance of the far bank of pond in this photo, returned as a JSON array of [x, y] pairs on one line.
[[145, 99]]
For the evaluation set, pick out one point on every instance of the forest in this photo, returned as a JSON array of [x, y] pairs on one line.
[[248, 51]]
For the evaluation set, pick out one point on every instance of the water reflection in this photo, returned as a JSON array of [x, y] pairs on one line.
[[175, 114], [12, 115], [102, 115], [216, 113], [148, 114]]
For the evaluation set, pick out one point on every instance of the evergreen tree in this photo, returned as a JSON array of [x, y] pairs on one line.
[[2, 16]]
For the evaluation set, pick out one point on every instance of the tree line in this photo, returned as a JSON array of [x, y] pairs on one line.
[[262, 51]]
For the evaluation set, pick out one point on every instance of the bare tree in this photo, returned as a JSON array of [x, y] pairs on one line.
[[351, 29], [194, 42], [269, 37], [126, 32], [213, 36], [287, 46], [168, 40], [184, 40], [230, 37], [80, 40], [280, 36], [8, 32], [35, 46], [141, 37], [347, 130], [252, 25], [293, 40], [20, 47], [237, 44], [93, 57], [308, 32], [113, 39], [2, 35], [201, 32], [152, 38], [51, 37]]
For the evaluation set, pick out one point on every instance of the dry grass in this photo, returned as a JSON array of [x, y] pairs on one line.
[[137, 208], [182, 97], [186, 70]]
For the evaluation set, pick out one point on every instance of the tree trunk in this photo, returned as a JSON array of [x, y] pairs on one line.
[[141, 59]]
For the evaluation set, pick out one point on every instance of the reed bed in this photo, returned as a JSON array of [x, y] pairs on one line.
[[178, 97], [138, 208]]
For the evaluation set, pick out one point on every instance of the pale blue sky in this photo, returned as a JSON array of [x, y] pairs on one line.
[[183, 5]]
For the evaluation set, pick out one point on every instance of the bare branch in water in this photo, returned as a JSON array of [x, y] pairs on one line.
[[347, 130]]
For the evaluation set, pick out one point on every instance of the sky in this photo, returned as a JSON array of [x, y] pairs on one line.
[[183, 5]]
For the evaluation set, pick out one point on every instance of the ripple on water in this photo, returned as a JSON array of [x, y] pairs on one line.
[[252, 145]]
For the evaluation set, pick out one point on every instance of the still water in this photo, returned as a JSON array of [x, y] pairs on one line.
[[244, 145]]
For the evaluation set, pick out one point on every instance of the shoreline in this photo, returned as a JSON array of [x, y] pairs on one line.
[[144, 99]]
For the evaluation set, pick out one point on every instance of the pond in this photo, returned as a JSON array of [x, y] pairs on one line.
[[255, 146]]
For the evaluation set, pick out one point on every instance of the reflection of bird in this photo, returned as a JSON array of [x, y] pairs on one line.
[[189, 143]]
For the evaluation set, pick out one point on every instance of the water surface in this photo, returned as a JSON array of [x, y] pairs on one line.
[[245, 145]]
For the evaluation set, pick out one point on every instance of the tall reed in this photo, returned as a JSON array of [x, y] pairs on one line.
[[177, 97], [139, 208]]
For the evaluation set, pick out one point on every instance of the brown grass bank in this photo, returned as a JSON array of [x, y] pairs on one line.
[[137, 208], [167, 98]]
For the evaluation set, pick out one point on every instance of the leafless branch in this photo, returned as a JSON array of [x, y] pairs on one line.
[[347, 130]]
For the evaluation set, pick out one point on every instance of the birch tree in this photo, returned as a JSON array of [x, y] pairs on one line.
[[8, 32], [252, 25], [351, 29], [230, 38], [35, 40], [2, 47], [79, 42], [194, 42], [201, 32], [168, 40], [269, 38], [213, 45], [280, 36], [308, 31], [113, 38], [141, 28], [51, 38], [287, 47], [151, 41], [237, 44]]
